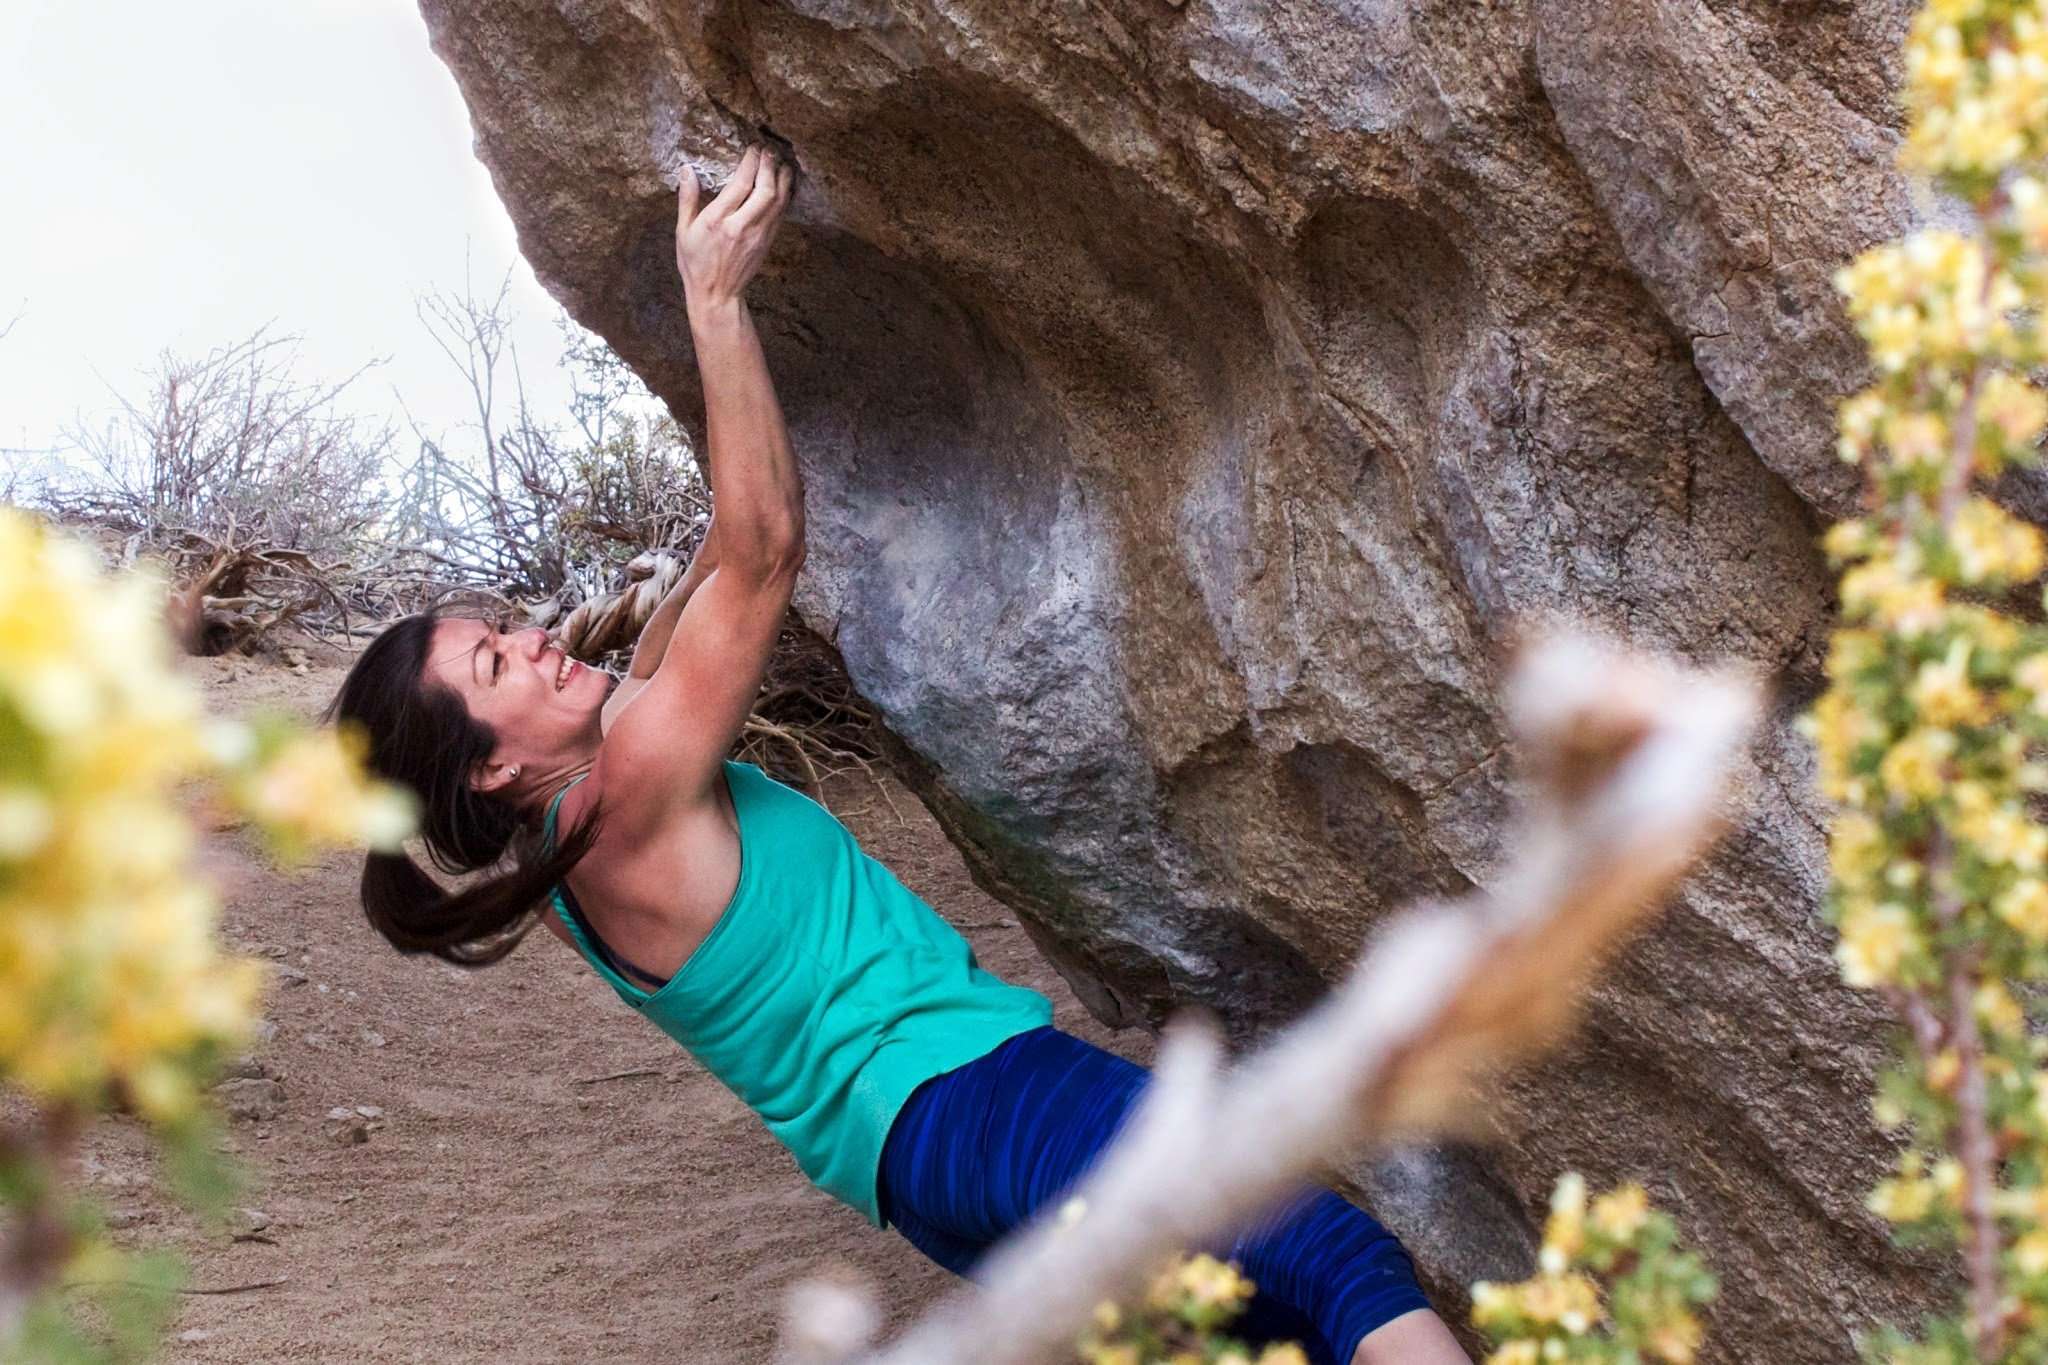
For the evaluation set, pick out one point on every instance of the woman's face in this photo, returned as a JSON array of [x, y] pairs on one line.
[[514, 682]]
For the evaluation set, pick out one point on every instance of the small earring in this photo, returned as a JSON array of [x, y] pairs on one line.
[[513, 771]]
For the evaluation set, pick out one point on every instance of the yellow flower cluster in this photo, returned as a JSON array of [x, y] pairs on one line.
[[1917, 724], [1977, 107], [1184, 1305], [1929, 736], [1991, 547], [1649, 1313], [1877, 943], [1933, 302], [1894, 592], [1909, 1196], [2012, 413], [108, 969], [306, 787], [111, 982], [1200, 1280]]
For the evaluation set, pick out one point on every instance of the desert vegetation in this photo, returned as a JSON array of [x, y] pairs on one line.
[[272, 501], [272, 505]]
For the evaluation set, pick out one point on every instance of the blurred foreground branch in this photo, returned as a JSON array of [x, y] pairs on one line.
[[1627, 761]]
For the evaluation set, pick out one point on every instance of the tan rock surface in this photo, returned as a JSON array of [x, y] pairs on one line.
[[1194, 398]]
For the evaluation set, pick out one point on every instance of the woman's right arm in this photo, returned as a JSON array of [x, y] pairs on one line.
[[669, 746]]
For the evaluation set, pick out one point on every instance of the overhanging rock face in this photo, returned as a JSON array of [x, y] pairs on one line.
[[1194, 399]]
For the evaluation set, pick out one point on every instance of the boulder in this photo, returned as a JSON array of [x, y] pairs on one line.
[[1195, 399]]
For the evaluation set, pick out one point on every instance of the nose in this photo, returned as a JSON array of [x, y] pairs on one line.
[[534, 641]]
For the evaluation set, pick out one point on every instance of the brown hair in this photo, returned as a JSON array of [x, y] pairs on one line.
[[423, 737]]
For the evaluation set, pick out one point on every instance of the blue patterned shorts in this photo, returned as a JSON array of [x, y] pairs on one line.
[[977, 1151]]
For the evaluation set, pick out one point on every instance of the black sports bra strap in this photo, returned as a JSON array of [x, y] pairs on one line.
[[646, 980]]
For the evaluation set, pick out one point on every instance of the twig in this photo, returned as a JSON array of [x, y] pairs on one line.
[[179, 1289], [758, 726], [1628, 762], [1975, 1147], [1926, 1027], [40, 1241], [620, 1075]]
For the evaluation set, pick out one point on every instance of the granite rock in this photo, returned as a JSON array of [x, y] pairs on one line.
[[1195, 400]]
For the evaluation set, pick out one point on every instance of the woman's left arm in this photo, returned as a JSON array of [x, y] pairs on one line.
[[654, 636]]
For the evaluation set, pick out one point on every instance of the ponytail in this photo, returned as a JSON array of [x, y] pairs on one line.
[[423, 737], [475, 926]]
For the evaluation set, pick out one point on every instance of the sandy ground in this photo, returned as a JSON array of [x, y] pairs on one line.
[[510, 1204]]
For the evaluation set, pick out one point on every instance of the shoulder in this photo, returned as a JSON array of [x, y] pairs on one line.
[[640, 801]]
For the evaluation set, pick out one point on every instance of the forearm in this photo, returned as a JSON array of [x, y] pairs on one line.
[[654, 636], [755, 485]]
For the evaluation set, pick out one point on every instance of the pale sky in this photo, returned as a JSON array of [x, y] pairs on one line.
[[174, 173]]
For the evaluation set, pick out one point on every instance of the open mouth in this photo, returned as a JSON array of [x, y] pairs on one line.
[[565, 672]]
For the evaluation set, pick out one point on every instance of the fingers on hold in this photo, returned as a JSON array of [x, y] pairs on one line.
[[761, 182], [764, 199], [742, 183], [764, 172]]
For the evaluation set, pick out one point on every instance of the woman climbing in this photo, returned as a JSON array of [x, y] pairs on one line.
[[742, 918]]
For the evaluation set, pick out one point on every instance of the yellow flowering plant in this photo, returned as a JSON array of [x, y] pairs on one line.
[[1929, 734], [1612, 1287], [114, 991], [1180, 1321]]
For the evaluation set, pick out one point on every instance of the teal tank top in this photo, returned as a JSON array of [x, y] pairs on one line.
[[826, 992]]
